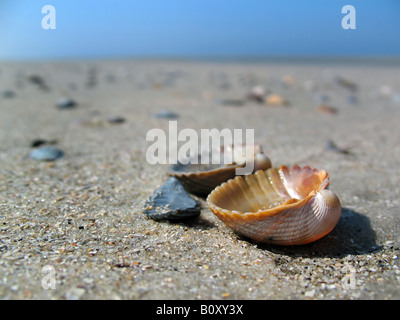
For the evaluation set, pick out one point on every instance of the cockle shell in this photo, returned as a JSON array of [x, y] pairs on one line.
[[201, 179], [286, 206]]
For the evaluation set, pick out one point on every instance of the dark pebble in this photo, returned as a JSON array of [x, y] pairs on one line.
[[352, 99], [39, 142], [66, 103], [171, 202], [331, 146], [8, 94], [35, 79], [116, 120], [47, 153], [346, 84], [230, 102], [165, 114], [322, 98]]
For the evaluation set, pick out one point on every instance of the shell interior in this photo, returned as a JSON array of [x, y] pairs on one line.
[[269, 189], [281, 205]]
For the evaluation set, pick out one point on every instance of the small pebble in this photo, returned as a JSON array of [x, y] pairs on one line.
[[38, 80], [47, 153], [385, 91], [8, 94], [257, 94], [275, 100], [309, 294], [166, 114], [35, 79], [38, 142], [171, 202], [288, 80], [352, 99], [75, 293], [346, 84], [396, 98], [230, 102], [116, 120], [327, 109], [321, 98], [66, 103], [331, 146]]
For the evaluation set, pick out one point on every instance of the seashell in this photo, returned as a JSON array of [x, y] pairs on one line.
[[201, 179], [276, 100], [285, 206]]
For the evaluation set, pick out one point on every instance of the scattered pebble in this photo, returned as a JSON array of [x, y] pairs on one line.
[[66, 103], [39, 142], [288, 80], [309, 85], [322, 98], [309, 293], [346, 84], [396, 98], [116, 120], [47, 153], [352, 99], [331, 146], [38, 81], [166, 114], [257, 94], [276, 100], [75, 293], [385, 91], [8, 94], [171, 202], [327, 109], [35, 79], [230, 102]]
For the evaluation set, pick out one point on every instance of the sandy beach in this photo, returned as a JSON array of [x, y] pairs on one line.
[[74, 228]]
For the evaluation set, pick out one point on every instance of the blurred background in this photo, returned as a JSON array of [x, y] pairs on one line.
[[205, 29]]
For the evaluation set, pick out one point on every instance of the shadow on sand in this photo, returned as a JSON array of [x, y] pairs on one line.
[[352, 235]]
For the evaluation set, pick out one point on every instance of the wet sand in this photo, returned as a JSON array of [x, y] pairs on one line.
[[81, 215]]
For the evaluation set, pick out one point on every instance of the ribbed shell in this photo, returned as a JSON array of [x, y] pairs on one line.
[[281, 205], [202, 182]]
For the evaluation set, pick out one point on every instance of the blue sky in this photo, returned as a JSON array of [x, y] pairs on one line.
[[197, 28]]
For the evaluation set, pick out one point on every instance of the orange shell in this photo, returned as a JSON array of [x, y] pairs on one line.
[[286, 206]]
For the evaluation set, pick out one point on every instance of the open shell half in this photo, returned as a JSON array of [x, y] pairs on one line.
[[286, 206], [201, 179]]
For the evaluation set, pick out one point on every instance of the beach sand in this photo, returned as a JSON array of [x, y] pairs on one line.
[[77, 223]]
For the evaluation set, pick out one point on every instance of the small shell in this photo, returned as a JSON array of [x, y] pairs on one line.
[[201, 179], [276, 100], [286, 206]]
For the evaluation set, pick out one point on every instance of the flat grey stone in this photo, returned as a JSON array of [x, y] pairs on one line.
[[47, 153], [171, 202]]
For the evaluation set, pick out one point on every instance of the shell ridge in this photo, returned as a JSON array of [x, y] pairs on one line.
[[253, 182]]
